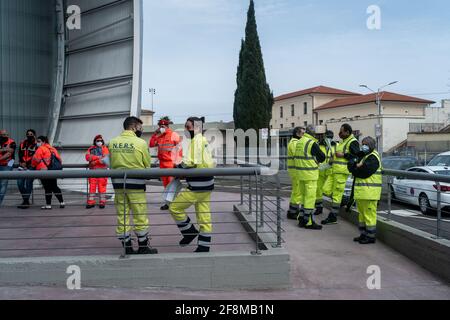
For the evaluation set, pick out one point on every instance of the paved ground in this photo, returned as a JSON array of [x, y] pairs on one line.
[[324, 265]]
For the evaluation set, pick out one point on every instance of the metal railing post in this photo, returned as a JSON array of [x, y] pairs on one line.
[[439, 210], [261, 202], [87, 187], [242, 190], [124, 215], [278, 213], [389, 198], [250, 206]]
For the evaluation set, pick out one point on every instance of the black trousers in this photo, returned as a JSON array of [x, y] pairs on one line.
[[51, 187]]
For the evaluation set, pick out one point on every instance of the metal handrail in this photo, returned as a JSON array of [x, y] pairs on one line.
[[417, 175], [133, 174]]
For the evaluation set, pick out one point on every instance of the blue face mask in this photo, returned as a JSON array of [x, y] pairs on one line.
[[365, 149]]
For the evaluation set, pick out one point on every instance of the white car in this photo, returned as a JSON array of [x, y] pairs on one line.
[[420, 192]]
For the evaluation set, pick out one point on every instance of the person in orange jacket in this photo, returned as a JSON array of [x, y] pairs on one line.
[[169, 149], [42, 160], [98, 158]]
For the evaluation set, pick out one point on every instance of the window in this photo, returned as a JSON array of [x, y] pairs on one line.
[[305, 123], [321, 122], [292, 110], [293, 125], [281, 126], [305, 108], [281, 112]]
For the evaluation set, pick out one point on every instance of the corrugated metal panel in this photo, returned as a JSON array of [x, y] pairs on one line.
[[100, 72], [27, 48]]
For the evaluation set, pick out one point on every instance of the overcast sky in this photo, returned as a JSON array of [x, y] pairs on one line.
[[191, 49]]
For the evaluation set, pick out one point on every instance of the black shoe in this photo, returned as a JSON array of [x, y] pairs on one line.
[[292, 215], [128, 247], [165, 207], [314, 226], [319, 211], [189, 236], [25, 205], [357, 239], [90, 206], [201, 249], [367, 240], [145, 249], [329, 220], [62, 205], [102, 206]]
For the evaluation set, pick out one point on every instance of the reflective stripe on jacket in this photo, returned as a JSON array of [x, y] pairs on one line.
[[27, 151], [306, 165], [340, 164], [370, 188]]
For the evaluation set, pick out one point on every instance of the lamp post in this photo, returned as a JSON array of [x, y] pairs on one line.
[[152, 92], [378, 130]]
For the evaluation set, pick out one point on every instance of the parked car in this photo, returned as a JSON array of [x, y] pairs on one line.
[[422, 193], [441, 160], [399, 163]]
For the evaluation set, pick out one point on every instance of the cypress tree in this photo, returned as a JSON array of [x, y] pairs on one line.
[[253, 97]]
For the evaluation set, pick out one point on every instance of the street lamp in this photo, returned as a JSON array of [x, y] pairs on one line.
[[152, 92], [378, 131]]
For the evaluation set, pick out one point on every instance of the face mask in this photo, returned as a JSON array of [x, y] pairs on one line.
[[162, 130], [3, 139], [30, 139], [39, 144], [139, 133], [192, 134], [99, 144], [365, 149]]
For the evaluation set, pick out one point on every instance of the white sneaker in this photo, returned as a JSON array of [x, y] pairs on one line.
[[46, 208]]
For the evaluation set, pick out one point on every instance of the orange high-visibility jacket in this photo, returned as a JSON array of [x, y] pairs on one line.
[[169, 146], [42, 157]]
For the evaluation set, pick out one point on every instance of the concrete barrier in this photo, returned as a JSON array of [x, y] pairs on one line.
[[226, 270], [421, 247]]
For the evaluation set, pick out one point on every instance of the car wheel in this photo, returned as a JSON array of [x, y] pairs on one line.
[[393, 193], [424, 204]]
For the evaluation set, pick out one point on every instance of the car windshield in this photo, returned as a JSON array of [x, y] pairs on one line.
[[398, 164], [440, 161], [443, 172]]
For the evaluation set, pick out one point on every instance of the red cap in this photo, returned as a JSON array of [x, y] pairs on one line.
[[163, 122]]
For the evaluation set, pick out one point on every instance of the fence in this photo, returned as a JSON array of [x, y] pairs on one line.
[[76, 230], [409, 191]]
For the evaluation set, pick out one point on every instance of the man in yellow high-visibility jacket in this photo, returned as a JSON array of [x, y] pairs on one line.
[[307, 158], [198, 192], [295, 203], [325, 182], [346, 150], [129, 151], [368, 184]]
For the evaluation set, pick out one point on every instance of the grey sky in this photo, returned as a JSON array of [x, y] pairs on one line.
[[191, 50]]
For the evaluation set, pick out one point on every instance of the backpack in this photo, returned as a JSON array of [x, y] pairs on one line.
[[55, 163]]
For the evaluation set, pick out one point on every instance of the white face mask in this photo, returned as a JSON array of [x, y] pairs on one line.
[[38, 144], [162, 130], [99, 144]]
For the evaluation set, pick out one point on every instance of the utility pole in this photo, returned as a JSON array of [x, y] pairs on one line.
[[378, 129]]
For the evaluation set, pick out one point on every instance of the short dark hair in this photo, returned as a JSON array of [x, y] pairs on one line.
[[347, 128], [298, 130], [32, 131], [43, 139], [131, 122], [196, 119]]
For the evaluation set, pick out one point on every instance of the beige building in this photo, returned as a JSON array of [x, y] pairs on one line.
[[334, 107], [397, 112], [298, 108]]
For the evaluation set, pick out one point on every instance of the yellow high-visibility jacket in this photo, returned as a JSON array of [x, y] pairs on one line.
[[129, 152]]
